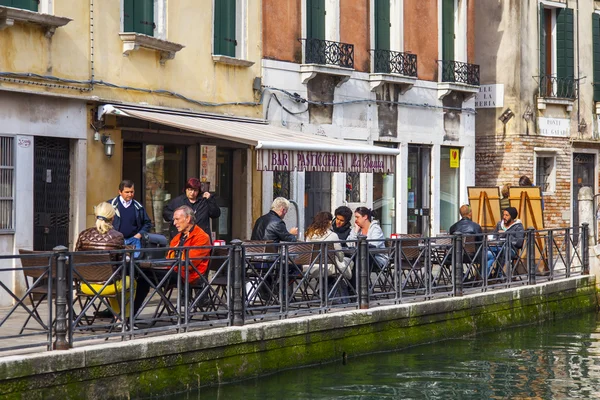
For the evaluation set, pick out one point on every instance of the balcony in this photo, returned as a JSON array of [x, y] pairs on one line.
[[327, 57], [393, 67], [556, 90], [458, 77]]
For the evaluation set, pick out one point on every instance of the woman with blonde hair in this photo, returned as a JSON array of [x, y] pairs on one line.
[[103, 237]]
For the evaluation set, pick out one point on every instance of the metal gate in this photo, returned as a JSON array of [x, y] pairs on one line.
[[51, 193]]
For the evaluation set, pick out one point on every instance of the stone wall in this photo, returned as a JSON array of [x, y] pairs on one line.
[[174, 363]]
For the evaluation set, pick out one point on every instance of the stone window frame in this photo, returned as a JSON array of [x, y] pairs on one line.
[[460, 31], [241, 36], [546, 153]]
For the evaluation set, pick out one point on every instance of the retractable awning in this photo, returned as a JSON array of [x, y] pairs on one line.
[[277, 149]]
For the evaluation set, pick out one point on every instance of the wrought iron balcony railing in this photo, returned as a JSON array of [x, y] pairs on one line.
[[394, 62], [555, 87], [459, 72], [326, 52]]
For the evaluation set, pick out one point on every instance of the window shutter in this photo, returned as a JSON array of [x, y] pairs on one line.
[[31, 5], [315, 21], [225, 37], [565, 54], [382, 35], [448, 30], [128, 16], [542, 43], [143, 17], [596, 53], [7, 3]]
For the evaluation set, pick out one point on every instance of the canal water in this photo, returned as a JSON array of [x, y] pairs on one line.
[[552, 360]]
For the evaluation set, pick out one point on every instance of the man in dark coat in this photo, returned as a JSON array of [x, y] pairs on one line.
[[341, 223], [466, 226], [203, 205], [271, 226]]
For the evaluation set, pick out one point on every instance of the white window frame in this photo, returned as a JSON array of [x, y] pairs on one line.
[[396, 28], [160, 18], [460, 31], [546, 153], [12, 149], [332, 20]]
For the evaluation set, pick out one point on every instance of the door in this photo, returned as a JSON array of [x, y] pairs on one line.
[[382, 36], [317, 195], [223, 187], [419, 189], [52, 172], [583, 175]]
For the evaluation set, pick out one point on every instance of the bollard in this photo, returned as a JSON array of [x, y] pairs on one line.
[[530, 256], [585, 230], [60, 332], [238, 279], [363, 272], [457, 263]]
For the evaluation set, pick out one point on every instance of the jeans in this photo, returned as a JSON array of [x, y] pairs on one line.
[[492, 252], [136, 243]]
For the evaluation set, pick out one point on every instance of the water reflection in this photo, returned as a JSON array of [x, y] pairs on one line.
[[554, 360]]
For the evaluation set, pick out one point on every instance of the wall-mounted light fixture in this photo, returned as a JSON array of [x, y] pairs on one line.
[[109, 145], [506, 116]]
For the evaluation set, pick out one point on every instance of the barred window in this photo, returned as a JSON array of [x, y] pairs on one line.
[[7, 184], [353, 187]]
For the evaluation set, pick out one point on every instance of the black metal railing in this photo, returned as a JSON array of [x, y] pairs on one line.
[[95, 296], [326, 52], [556, 87], [459, 72], [394, 62]]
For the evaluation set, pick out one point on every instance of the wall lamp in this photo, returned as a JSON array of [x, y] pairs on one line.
[[109, 144], [506, 116]]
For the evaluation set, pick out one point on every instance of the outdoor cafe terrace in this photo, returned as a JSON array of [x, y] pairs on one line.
[[253, 281]]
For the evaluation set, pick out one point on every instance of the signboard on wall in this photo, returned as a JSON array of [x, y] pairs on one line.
[[490, 96], [290, 160], [454, 158], [557, 127]]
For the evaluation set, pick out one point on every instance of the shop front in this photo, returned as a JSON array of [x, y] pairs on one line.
[[245, 163]]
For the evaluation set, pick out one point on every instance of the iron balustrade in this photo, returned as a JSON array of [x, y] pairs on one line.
[[253, 281], [557, 87], [395, 62], [326, 52], [459, 72]]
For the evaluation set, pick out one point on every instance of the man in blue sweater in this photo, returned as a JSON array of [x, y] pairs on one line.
[[131, 219]]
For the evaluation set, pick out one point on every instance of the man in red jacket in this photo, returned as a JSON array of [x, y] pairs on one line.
[[190, 235]]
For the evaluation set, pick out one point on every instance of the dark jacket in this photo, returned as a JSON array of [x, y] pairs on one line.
[[515, 233], [204, 209], [141, 217], [466, 227], [342, 231], [92, 239], [271, 227]]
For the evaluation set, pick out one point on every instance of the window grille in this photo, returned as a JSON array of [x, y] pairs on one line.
[[7, 184]]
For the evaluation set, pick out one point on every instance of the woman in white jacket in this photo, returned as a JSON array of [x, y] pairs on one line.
[[369, 227]]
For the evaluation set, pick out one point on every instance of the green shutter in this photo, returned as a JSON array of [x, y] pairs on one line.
[[382, 36], [448, 30], [128, 16], [31, 5], [565, 52], [143, 17], [596, 53], [542, 43], [315, 19], [224, 29]]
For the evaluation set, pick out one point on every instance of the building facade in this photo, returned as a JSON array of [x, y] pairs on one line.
[[537, 113], [393, 73]]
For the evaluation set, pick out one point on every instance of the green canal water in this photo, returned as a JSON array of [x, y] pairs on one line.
[[553, 360]]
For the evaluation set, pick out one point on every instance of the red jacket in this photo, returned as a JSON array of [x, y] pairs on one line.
[[198, 257]]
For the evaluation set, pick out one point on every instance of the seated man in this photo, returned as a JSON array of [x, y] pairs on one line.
[[512, 228], [466, 226], [190, 235]]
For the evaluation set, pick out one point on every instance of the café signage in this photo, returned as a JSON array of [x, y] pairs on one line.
[[290, 160]]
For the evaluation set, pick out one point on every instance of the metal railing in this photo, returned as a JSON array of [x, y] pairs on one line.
[[326, 52], [555, 87], [459, 72], [111, 296], [394, 62]]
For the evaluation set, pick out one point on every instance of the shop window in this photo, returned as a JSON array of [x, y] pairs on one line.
[[353, 187], [31, 5], [138, 16], [281, 184], [545, 171], [7, 184], [449, 187]]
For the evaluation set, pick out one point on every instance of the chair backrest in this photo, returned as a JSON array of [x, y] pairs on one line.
[[92, 267], [410, 248], [304, 253], [36, 263], [218, 256]]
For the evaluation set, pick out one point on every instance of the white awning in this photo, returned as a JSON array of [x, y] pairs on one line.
[[278, 149]]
